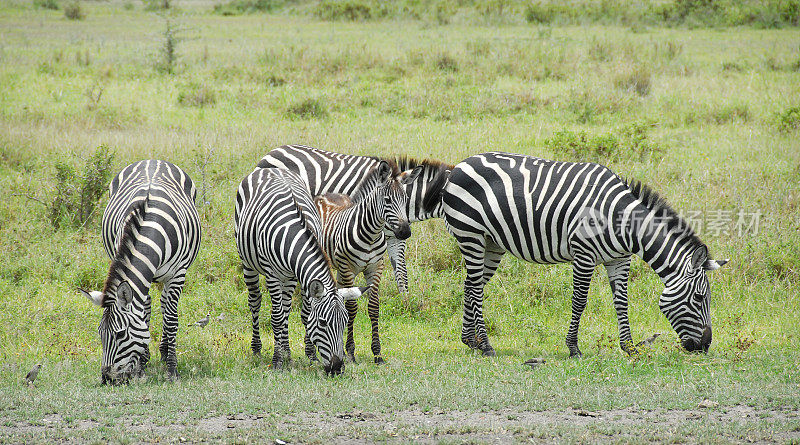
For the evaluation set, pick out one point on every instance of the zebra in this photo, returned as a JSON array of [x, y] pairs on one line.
[[353, 238], [277, 234], [328, 172], [151, 232], [551, 212]]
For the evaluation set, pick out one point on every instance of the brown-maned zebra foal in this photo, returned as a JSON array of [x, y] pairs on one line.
[[354, 239]]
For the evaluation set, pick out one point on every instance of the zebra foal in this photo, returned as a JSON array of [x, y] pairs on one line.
[[353, 238], [277, 234], [152, 233], [553, 212]]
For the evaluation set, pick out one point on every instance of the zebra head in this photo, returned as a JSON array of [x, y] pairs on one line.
[[124, 334], [685, 301], [395, 201], [327, 322]]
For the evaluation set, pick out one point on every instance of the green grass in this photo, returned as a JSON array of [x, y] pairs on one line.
[[705, 116]]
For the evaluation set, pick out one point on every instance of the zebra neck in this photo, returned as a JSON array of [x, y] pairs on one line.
[[365, 217], [138, 276], [663, 248]]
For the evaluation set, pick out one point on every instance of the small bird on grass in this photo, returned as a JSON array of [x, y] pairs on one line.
[[534, 362], [31, 376], [648, 340], [202, 322]]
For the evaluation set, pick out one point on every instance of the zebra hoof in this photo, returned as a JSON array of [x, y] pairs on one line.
[[379, 360], [172, 376], [351, 357], [575, 354], [488, 351]]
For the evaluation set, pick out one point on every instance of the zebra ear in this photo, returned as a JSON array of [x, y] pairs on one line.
[[714, 264], [409, 176], [94, 296], [384, 171], [699, 257], [316, 290], [124, 295]]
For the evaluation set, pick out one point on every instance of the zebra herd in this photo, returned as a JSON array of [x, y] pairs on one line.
[[303, 212]]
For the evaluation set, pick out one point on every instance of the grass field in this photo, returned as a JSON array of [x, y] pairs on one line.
[[709, 117]]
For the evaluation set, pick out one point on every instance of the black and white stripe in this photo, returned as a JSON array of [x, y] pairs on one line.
[[551, 212], [328, 172], [353, 238], [152, 232], [277, 235]]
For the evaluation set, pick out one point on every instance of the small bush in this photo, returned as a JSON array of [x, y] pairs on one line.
[[789, 120], [730, 113], [197, 96], [77, 194], [636, 79], [169, 49], [349, 10], [627, 142], [73, 11], [445, 62], [157, 5], [307, 109], [46, 4], [238, 7], [539, 13]]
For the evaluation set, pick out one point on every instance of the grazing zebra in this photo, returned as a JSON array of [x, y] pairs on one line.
[[353, 238], [552, 212], [327, 172], [151, 231], [277, 234]]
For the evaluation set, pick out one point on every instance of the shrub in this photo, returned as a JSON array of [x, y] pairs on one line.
[[157, 5], [789, 120], [730, 113], [46, 4], [197, 96], [446, 62], [539, 13], [627, 142], [73, 11], [77, 194], [351, 10], [307, 109], [169, 49], [238, 7], [636, 79]]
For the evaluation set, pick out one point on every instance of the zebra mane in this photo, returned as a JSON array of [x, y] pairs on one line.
[[435, 187], [658, 204], [311, 231], [132, 225], [406, 163]]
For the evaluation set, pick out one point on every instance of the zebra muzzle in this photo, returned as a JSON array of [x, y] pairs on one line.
[[335, 367]]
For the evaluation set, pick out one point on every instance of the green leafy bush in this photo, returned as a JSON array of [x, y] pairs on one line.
[[73, 11], [628, 142], [238, 7], [789, 120], [307, 109], [347, 10], [77, 194], [46, 4]]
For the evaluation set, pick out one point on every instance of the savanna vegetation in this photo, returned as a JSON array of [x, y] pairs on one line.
[[698, 98]]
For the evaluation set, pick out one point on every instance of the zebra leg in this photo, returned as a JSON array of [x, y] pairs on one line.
[[473, 252], [346, 278], [582, 270], [373, 276], [286, 301], [618, 273], [305, 311], [169, 307], [491, 261], [148, 310], [397, 256], [254, 301], [280, 322]]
